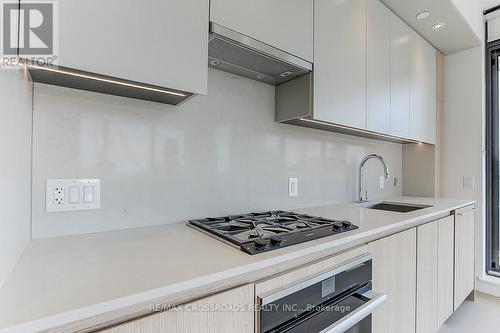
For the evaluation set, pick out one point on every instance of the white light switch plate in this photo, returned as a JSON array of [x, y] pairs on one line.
[[468, 182], [64, 195], [293, 184]]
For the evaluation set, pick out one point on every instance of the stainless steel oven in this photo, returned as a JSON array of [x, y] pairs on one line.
[[335, 301]]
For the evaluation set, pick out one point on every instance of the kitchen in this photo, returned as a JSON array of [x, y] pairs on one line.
[[210, 163]]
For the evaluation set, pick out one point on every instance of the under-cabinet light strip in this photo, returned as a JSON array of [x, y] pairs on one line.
[[84, 76], [358, 130]]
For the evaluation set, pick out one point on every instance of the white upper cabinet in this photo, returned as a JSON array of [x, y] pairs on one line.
[[378, 108], [422, 90], [284, 24], [400, 78], [340, 62], [158, 42]]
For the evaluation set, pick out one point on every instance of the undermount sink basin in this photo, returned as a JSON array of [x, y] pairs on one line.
[[397, 207]]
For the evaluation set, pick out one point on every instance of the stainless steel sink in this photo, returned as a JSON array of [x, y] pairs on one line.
[[397, 207]]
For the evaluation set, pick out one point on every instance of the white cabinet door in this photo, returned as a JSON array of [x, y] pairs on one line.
[[446, 244], [394, 274], [340, 62], [158, 42], [427, 277], [285, 24], [464, 256], [378, 77], [422, 90], [400, 77]]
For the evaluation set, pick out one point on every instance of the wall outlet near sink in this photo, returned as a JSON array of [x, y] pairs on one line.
[[63, 195], [293, 190]]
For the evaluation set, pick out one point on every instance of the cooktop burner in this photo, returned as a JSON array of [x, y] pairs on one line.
[[260, 232]]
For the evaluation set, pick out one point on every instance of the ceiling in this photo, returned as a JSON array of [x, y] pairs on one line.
[[456, 36]]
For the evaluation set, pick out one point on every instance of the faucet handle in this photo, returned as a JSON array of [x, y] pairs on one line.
[[366, 195]]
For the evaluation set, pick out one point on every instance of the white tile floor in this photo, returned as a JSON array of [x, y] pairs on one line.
[[481, 316]]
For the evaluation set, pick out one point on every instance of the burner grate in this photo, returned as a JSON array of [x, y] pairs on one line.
[[270, 230]]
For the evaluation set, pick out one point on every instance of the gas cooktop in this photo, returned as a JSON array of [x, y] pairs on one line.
[[261, 232]]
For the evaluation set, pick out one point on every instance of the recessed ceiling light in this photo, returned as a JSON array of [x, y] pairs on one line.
[[439, 26], [423, 15]]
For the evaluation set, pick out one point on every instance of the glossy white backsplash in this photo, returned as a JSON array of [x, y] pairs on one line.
[[214, 155]]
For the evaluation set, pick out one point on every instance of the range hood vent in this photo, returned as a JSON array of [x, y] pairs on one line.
[[236, 53]]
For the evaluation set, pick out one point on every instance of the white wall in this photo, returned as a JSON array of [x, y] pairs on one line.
[[15, 167], [214, 155], [463, 134]]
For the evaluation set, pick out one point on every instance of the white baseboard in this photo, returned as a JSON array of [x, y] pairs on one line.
[[488, 285]]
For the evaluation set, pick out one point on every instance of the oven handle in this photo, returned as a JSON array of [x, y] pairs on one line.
[[376, 300], [297, 286]]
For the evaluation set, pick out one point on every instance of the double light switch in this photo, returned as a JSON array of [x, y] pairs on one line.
[[73, 194]]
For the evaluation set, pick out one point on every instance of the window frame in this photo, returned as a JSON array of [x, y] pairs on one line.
[[492, 158]]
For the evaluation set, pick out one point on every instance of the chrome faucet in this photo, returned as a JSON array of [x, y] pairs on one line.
[[360, 175]]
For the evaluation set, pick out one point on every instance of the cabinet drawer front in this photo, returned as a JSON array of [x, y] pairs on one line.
[[464, 256], [280, 281], [427, 277], [193, 317]]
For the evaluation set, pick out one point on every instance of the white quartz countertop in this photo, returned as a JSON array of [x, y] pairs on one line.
[[74, 283]]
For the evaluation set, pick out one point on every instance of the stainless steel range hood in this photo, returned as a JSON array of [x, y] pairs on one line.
[[236, 53]]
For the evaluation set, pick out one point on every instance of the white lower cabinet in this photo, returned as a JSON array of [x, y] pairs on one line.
[[394, 274], [426, 272], [434, 274], [427, 276], [464, 255], [193, 317], [446, 248]]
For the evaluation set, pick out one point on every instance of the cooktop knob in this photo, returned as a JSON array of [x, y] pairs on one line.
[[337, 226], [346, 224], [260, 243], [275, 240]]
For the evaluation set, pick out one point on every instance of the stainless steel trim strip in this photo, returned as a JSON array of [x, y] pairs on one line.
[[259, 46], [376, 300], [358, 130], [288, 290]]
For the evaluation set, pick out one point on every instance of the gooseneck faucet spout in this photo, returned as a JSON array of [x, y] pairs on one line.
[[360, 174]]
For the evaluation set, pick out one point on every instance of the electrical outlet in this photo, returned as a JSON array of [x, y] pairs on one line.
[[293, 187], [72, 194], [58, 196]]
